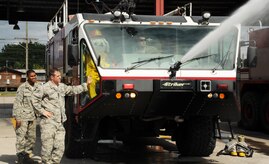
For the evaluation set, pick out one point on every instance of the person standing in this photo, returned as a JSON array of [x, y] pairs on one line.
[[25, 119], [49, 101]]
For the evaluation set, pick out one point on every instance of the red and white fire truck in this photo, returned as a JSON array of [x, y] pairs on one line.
[[141, 86]]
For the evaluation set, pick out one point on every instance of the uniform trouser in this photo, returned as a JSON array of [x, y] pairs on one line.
[[26, 137], [52, 141]]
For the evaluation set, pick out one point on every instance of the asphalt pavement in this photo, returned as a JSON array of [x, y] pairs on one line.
[[6, 104]]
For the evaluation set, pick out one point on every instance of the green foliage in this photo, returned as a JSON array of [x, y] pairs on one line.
[[13, 56]]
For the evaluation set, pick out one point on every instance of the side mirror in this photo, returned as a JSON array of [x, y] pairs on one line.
[[251, 59], [251, 56], [72, 54]]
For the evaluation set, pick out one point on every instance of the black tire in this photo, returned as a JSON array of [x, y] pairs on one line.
[[250, 107], [196, 137], [264, 114]]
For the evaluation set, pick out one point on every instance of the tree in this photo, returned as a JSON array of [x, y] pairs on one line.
[[13, 56]]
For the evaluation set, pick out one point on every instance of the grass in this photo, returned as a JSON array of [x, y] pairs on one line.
[[7, 94]]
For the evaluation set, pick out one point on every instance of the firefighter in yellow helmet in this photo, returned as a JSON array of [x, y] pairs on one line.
[[101, 48]]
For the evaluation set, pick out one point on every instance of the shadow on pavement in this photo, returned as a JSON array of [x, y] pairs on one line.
[[145, 151], [6, 110], [8, 158], [258, 146]]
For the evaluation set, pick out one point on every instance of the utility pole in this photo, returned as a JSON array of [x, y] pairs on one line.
[[26, 47]]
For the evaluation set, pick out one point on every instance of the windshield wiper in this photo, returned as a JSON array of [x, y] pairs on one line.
[[176, 66], [143, 62]]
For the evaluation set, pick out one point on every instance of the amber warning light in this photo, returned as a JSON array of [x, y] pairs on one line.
[[128, 93]]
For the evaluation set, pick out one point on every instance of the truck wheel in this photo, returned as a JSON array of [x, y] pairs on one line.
[[249, 110], [196, 137], [265, 113]]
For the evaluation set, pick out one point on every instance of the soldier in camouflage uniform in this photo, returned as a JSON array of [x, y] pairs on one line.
[[25, 117], [49, 101]]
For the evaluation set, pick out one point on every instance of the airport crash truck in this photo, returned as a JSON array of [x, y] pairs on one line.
[[253, 81], [141, 86]]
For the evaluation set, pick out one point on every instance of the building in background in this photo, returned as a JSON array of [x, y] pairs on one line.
[[11, 79]]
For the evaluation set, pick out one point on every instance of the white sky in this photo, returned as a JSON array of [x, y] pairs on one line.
[[36, 30]]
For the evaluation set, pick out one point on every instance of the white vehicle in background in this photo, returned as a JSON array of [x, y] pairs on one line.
[[144, 91]]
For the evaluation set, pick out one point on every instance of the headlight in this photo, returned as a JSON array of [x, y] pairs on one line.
[[117, 13], [206, 15]]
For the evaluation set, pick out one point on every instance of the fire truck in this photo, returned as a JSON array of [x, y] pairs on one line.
[[253, 81], [144, 83]]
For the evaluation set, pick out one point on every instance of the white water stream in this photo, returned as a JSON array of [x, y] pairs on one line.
[[251, 12]]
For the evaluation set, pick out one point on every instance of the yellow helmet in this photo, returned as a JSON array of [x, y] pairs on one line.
[[95, 33]]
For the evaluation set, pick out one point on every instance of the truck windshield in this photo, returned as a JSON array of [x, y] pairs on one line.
[[123, 46]]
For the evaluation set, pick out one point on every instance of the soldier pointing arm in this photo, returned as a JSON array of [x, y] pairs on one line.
[[49, 101]]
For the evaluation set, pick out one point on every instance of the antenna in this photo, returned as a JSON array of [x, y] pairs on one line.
[[100, 7], [180, 10]]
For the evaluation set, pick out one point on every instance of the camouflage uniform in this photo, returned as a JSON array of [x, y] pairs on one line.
[[51, 97], [23, 111]]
